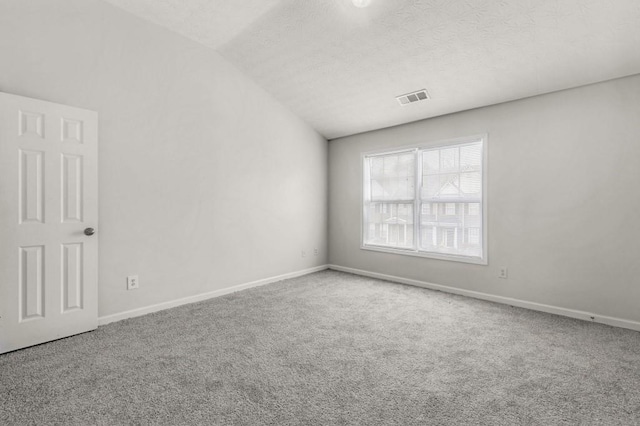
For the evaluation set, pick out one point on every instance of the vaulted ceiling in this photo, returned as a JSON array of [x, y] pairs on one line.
[[340, 67]]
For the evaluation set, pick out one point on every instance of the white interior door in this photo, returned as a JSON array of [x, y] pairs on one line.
[[48, 203]]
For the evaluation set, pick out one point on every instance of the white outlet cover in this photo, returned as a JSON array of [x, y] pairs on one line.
[[503, 272], [133, 282]]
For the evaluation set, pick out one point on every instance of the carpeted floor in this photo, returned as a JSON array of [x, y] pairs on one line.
[[330, 348]]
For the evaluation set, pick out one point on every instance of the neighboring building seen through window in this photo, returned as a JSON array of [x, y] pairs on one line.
[[427, 201]]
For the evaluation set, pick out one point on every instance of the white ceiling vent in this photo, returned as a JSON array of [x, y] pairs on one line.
[[420, 95]]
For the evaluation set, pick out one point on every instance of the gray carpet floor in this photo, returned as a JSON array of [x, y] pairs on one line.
[[330, 348]]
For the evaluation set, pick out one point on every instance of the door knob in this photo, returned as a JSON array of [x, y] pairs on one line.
[[89, 231]]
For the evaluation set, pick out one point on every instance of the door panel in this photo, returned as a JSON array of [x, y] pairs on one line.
[[31, 186], [48, 196], [31, 279], [71, 188]]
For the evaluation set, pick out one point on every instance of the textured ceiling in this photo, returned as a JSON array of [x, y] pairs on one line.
[[339, 67]]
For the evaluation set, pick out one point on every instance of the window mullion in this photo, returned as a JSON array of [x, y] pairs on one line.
[[416, 201]]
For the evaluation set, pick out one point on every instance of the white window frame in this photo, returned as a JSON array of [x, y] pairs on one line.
[[483, 259]]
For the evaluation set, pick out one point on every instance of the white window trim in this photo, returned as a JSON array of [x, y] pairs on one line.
[[484, 260]]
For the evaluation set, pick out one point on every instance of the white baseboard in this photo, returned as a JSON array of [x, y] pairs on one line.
[[204, 296], [587, 316]]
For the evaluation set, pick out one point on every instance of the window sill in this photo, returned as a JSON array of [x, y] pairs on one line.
[[430, 255]]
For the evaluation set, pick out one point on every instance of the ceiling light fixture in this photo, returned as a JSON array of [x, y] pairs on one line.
[[361, 3]]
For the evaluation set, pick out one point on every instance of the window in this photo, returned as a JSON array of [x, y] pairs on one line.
[[427, 201]]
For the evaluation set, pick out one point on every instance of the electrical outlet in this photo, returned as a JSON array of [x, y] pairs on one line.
[[315, 252], [132, 282], [503, 272], [303, 253]]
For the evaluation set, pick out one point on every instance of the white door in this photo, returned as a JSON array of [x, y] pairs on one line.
[[48, 206]]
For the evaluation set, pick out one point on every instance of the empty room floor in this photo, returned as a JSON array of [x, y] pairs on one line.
[[331, 348]]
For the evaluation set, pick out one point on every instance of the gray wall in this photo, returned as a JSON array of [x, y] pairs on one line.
[[563, 193], [205, 181]]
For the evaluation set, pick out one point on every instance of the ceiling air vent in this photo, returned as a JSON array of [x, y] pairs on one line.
[[409, 98]]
